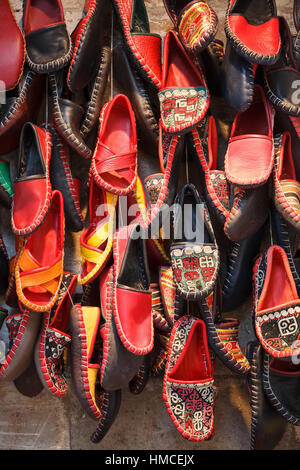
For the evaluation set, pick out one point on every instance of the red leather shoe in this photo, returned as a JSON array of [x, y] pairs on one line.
[[39, 264], [250, 154], [32, 189], [12, 44], [253, 29], [183, 95], [114, 162]]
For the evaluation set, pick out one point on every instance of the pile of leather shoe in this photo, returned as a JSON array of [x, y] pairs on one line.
[[175, 162]]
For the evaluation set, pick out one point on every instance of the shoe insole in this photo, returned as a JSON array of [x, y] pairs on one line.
[[253, 121], [42, 13], [255, 11], [31, 156]]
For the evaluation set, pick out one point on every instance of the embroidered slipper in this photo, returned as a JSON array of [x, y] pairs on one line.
[[114, 162], [237, 281], [32, 188], [48, 44], [131, 289], [53, 340], [97, 239], [281, 381], [13, 48], [276, 304], [167, 290], [280, 78], [196, 23], [194, 251], [249, 157], [222, 333], [119, 365], [88, 32], [22, 105], [23, 328], [39, 264], [67, 117], [267, 426], [62, 179], [236, 69], [183, 95], [246, 22], [188, 388], [144, 48], [248, 212], [286, 189]]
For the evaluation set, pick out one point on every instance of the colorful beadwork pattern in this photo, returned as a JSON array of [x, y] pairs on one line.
[[195, 24]]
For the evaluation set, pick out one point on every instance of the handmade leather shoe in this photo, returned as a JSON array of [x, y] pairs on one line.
[[13, 48], [48, 44], [144, 48], [114, 162], [250, 154], [281, 381], [276, 304], [54, 339], [39, 263], [32, 188], [167, 289], [23, 328], [248, 211], [253, 30], [195, 21], [6, 187], [62, 179], [286, 189], [211, 59], [22, 105], [131, 289], [280, 78], [188, 388], [194, 251], [237, 78], [140, 380], [119, 365], [183, 95], [267, 426]]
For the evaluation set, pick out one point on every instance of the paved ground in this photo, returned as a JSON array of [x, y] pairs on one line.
[[45, 422]]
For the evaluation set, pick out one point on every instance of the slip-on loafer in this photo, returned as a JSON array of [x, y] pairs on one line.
[[280, 78], [276, 304], [13, 48], [249, 157], [194, 251], [32, 187], [188, 387], [195, 21], [48, 44], [246, 23]]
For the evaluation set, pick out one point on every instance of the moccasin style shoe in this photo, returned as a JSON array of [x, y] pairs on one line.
[[62, 179], [276, 304], [23, 328], [96, 240], [250, 154], [286, 189], [12, 46], [48, 44], [32, 188], [6, 187], [183, 95], [132, 300], [194, 251], [267, 426], [188, 389], [39, 262], [22, 105], [119, 365], [196, 23], [54, 338], [114, 162], [144, 48], [281, 381], [247, 22], [86, 353], [280, 78]]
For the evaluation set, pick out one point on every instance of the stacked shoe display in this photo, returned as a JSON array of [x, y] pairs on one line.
[[181, 220]]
